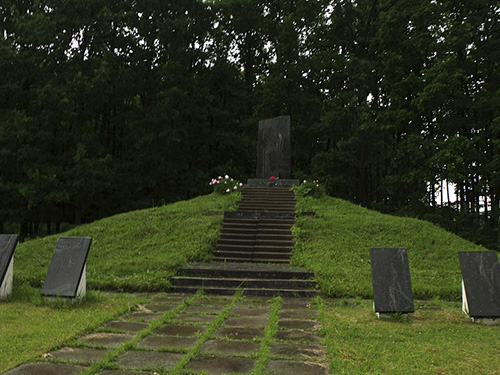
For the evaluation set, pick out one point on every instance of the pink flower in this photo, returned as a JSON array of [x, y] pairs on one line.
[[235, 188], [272, 178]]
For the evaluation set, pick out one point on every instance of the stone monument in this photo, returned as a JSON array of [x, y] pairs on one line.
[[67, 271], [274, 154], [392, 292], [8, 244], [480, 286]]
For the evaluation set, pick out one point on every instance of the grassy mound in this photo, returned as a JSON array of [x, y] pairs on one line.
[[335, 244], [137, 250]]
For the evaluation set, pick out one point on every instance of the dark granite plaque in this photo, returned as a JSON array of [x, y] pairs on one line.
[[8, 244], [67, 267], [481, 279], [273, 153], [392, 291]]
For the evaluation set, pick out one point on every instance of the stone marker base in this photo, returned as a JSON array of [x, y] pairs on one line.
[[486, 321], [6, 287], [80, 292]]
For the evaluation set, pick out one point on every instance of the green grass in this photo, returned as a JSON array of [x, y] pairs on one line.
[[436, 339], [138, 250], [336, 243], [29, 327]]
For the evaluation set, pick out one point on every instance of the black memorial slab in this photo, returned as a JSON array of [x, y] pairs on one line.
[[392, 291], [481, 280], [274, 151], [8, 244], [67, 267]]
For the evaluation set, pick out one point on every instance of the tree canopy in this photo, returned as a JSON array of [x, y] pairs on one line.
[[112, 106]]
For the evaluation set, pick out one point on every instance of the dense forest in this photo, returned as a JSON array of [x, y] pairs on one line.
[[109, 106]]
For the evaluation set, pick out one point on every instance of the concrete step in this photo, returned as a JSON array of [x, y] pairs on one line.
[[230, 270], [243, 283], [245, 260], [253, 248], [251, 255], [248, 291], [254, 242]]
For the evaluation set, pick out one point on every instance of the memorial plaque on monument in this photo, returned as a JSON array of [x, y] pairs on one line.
[[8, 244], [66, 276], [480, 283], [273, 154], [392, 291]]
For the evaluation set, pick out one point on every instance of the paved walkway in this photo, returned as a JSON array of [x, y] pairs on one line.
[[199, 335]]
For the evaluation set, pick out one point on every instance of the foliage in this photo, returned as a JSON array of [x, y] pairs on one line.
[[308, 188], [225, 185], [335, 244]]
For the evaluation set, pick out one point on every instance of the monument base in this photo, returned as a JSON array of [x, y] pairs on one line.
[[80, 292], [262, 182]]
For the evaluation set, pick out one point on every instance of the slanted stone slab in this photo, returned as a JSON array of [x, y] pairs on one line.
[[8, 244], [230, 347], [43, 368], [143, 358], [221, 365], [274, 151], [392, 291], [66, 276], [82, 356], [298, 335], [481, 285], [278, 367]]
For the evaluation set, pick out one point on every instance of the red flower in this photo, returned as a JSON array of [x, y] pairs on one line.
[[272, 178]]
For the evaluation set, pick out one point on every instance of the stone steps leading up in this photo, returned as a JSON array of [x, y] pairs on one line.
[[252, 279], [253, 251]]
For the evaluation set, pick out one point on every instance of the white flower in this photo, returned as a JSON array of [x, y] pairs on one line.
[[235, 187], [226, 177], [241, 184], [228, 190], [304, 181]]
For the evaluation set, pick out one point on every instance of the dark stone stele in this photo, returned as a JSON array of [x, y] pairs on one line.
[[481, 276], [8, 243], [274, 152], [66, 267], [392, 291]]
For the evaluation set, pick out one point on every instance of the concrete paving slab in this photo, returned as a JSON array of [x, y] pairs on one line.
[[203, 309], [156, 341], [297, 324], [298, 335], [143, 358], [299, 314], [290, 349], [170, 298], [82, 356], [296, 303], [123, 326], [221, 365], [250, 321], [45, 369], [183, 330], [211, 302], [230, 347], [141, 316], [160, 307], [239, 333], [124, 372], [242, 311], [279, 367], [107, 340], [195, 318]]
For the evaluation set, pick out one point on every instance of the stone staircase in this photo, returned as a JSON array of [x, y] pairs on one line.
[[253, 252]]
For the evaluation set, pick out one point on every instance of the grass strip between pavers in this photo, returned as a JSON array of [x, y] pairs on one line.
[[264, 353], [113, 355], [211, 328]]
